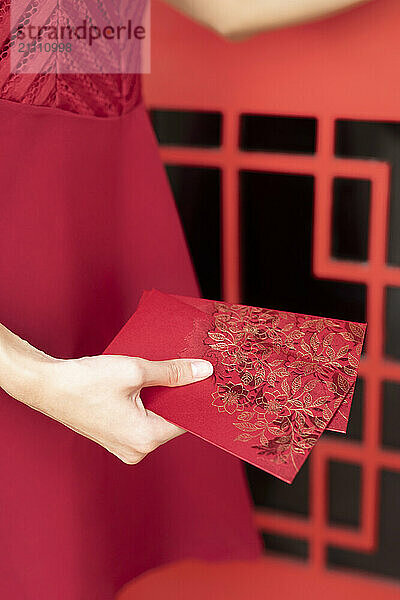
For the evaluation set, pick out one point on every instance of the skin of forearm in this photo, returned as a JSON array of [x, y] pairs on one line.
[[21, 369], [235, 18]]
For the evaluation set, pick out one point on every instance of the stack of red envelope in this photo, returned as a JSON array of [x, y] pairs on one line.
[[280, 379]]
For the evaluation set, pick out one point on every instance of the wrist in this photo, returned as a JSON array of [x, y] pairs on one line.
[[22, 369]]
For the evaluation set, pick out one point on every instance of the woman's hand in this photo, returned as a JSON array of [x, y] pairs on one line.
[[97, 396]]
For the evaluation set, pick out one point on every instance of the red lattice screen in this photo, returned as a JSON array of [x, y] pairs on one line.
[[345, 67]]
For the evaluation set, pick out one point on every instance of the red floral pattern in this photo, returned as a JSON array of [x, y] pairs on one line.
[[282, 376]]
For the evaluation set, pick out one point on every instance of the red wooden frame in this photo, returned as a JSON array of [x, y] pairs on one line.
[[342, 67]]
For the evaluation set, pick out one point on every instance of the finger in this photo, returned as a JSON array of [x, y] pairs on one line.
[[173, 373]]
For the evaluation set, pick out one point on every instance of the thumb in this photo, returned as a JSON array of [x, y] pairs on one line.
[[172, 373]]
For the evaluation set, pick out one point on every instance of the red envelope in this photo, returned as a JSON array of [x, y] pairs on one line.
[[279, 378], [340, 419]]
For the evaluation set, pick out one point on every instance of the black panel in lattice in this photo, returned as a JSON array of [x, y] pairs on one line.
[[270, 133], [286, 545], [392, 326], [187, 128], [197, 195], [350, 218], [391, 415], [344, 493]]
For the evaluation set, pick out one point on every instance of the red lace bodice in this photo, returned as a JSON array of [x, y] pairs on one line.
[[101, 95]]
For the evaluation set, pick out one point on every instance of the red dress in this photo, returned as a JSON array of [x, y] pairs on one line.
[[88, 222]]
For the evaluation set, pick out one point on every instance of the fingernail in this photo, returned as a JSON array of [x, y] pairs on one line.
[[201, 369]]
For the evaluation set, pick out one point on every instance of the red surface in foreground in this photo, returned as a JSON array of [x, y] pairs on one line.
[[269, 577]]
